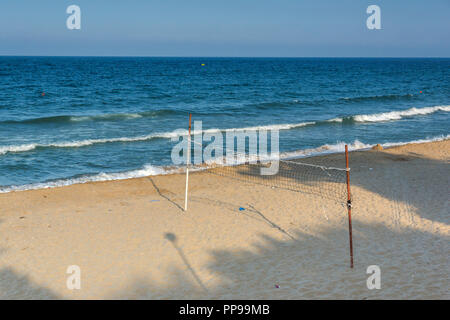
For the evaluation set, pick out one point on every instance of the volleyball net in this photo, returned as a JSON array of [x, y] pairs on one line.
[[327, 182]]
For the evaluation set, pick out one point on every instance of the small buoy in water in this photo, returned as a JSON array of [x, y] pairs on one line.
[[43, 93], [203, 64], [420, 91]]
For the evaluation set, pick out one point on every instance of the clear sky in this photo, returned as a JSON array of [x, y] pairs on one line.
[[273, 28]]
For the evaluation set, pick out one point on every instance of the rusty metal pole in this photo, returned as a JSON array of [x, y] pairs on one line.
[[349, 207]]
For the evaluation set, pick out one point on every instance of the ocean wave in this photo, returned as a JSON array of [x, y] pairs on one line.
[[270, 105], [288, 103], [353, 146], [150, 170], [325, 149], [162, 135], [80, 143], [18, 148], [379, 117], [377, 97], [402, 143], [99, 117], [146, 170], [391, 115]]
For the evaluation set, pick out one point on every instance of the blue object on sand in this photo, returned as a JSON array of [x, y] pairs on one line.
[[240, 208]]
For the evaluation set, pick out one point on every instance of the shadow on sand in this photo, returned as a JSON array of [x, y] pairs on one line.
[[311, 267], [413, 262], [15, 286]]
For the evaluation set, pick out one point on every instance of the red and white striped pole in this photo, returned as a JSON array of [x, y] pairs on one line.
[[349, 207]]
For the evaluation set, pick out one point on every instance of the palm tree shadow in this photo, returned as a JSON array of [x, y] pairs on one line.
[[405, 189], [14, 286], [173, 240], [314, 267]]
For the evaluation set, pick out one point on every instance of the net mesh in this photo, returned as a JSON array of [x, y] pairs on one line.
[[293, 175]]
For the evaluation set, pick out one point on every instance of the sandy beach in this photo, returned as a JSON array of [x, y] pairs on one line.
[[132, 240]]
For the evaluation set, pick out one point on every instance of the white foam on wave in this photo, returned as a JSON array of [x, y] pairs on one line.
[[18, 148], [397, 115], [387, 116], [83, 143], [325, 149], [285, 126], [149, 170], [339, 147], [434, 139], [105, 117], [164, 135], [394, 115], [145, 171]]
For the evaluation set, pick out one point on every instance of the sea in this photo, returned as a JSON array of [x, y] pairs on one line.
[[66, 120]]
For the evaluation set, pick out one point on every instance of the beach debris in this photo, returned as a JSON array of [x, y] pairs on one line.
[[377, 147], [22, 217], [241, 209], [154, 200], [277, 286]]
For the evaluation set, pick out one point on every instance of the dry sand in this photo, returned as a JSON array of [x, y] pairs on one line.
[[132, 240]]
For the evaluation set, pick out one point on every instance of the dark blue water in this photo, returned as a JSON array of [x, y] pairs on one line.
[[72, 119]]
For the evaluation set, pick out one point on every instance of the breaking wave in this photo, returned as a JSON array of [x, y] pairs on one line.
[[147, 170], [150, 170], [98, 117], [392, 115], [364, 118]]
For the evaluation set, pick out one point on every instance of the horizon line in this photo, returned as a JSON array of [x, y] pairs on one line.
[[253, 57]]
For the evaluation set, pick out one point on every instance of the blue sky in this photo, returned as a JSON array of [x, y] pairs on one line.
[[274, 28]]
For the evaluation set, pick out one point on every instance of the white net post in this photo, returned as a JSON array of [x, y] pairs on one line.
[[188, 158]]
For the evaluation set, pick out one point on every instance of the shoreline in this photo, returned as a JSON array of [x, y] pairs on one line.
[[168, 170], [238, 240]]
